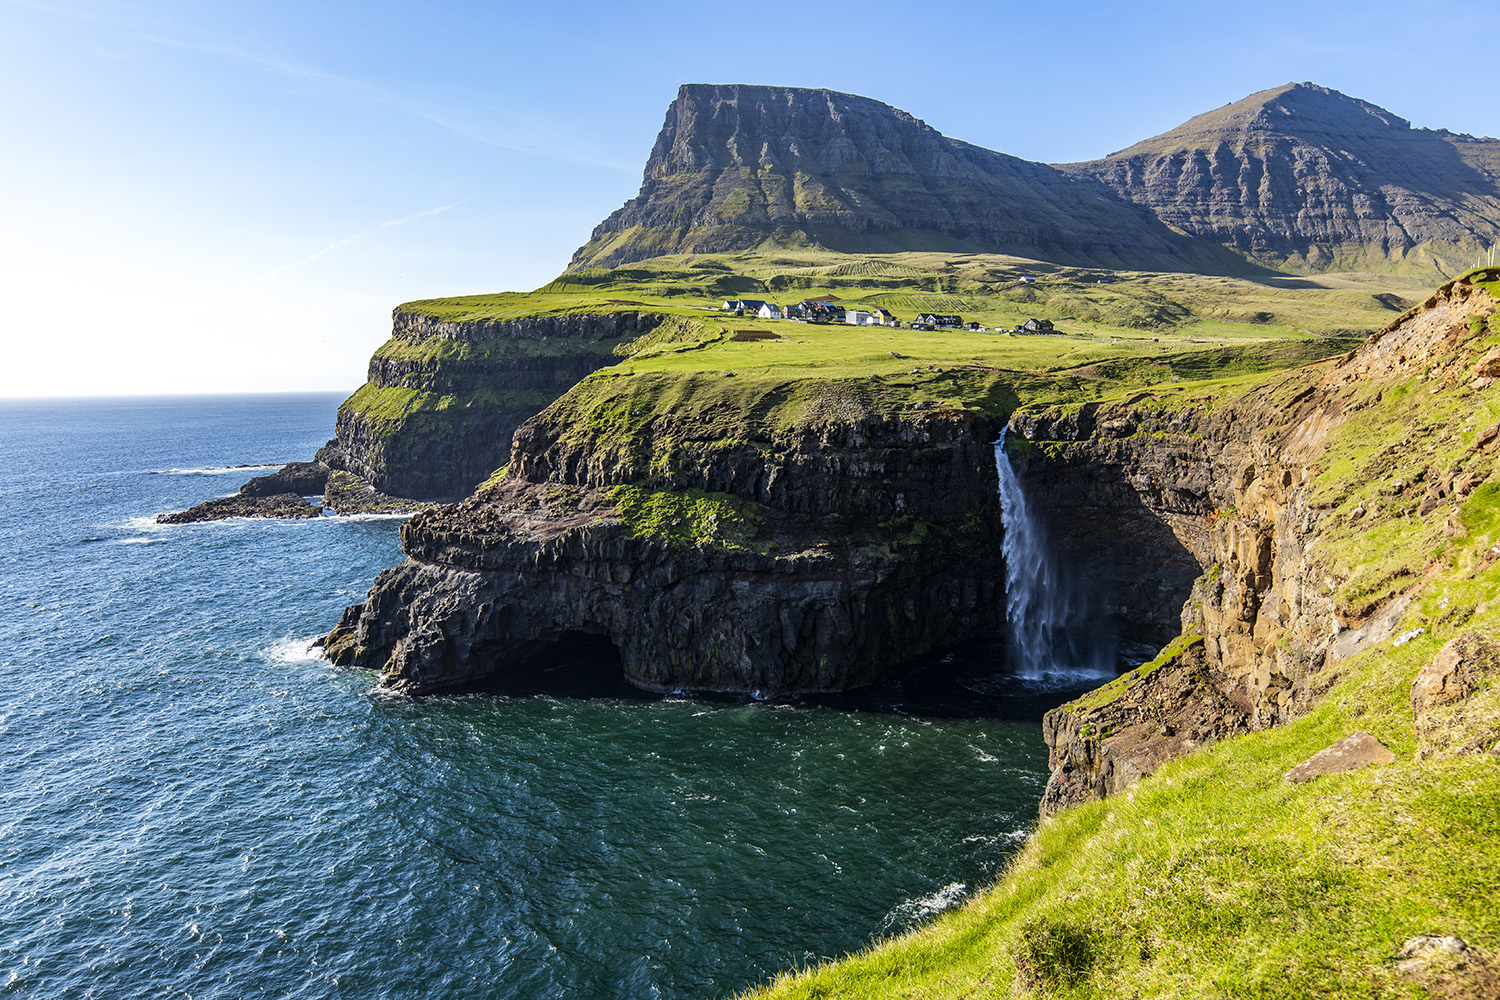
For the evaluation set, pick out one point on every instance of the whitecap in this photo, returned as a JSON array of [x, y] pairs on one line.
[[217, 470], [914, 911], [292, 650], [401, 515]]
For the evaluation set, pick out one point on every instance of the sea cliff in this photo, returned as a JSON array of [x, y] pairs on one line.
[[442, 397], [1311, 507], [848, 548]]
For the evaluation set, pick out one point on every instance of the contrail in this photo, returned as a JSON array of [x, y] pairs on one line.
[[345, 241]]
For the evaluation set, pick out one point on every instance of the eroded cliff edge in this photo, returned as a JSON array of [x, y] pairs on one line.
[[443, 396], [1314, 504], [820, 547]]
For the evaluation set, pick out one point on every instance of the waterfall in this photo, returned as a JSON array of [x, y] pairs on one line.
[[1053, 634]]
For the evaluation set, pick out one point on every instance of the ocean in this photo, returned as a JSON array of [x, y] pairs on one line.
[[193, 804]]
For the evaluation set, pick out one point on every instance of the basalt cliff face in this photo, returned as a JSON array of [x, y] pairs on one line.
[[1298, 177], [443, 398], [1306, 177], [850, 548], [1287, 536], [735, 166]]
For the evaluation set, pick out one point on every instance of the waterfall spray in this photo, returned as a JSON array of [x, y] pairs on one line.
[[1052, 633]]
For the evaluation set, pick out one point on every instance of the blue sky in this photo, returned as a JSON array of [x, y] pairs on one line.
[[231, 196]]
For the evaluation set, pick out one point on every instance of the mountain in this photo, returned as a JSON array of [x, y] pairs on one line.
[[736, 166], [1306, 177], [1299, 177]]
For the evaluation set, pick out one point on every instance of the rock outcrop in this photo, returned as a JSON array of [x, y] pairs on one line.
[[866, 545], [1241, 489], [444, 397], [273, 505]]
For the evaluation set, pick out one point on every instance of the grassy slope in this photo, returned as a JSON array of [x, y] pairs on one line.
[[1132, 330], [1215, 877], [982, 287]]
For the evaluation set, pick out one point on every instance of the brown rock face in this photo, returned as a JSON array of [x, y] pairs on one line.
[[1306, 176], [1127, 729], [1229, 493], [1454, 673]]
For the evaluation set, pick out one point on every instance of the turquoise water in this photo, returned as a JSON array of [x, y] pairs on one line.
[[192, 805]]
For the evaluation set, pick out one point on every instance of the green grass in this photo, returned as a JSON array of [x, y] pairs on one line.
[[1215, 877], [983, 287], [690, 518]]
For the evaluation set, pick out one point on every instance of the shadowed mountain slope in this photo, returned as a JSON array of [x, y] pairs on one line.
[[1298, 178], [736, 166], [1305, 177]]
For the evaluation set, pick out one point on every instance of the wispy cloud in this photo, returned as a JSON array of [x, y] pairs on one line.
[[340, 243], [541, 137]]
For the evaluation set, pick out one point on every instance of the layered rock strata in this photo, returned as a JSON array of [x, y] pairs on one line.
[[735, 166], [847, 551], [443, 398], [1237, 488], [1306, 176]]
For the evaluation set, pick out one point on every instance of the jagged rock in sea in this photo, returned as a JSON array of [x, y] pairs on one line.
[[1305, 177], [736, 166], [272, 505]]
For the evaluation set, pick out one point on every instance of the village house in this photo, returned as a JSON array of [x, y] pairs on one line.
[[769, 310], [742, 307], [858, 317], [884, 318], [1038, 326], [822, 311], [938, 321]]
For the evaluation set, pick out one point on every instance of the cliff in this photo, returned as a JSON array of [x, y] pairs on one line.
[[737, 166], [443, 398], [1298, 796], [853, 543], [1312, 506], [1304, 177]]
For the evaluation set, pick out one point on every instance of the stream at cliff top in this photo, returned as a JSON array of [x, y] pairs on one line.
[[194, 806]]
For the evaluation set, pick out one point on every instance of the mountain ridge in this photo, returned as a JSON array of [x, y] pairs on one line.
[[736, 166], [1293, 178]]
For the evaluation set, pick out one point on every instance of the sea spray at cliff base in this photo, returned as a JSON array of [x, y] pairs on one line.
[[1054, 634]]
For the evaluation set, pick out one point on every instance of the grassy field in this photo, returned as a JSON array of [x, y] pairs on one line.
[[986, 288]]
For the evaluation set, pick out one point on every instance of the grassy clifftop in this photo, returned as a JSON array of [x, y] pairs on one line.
[[988, 288], [1217, 876]]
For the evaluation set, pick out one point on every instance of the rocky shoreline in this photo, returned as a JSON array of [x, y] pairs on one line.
[[284, 493]]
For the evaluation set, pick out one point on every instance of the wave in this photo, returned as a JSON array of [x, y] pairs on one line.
[[217, 470], [293, 650], [915, 911]]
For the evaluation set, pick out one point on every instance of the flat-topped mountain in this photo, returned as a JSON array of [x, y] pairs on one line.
[[736, 166], [1298, 177], [1305, 176]]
